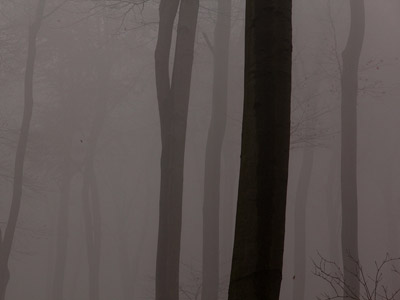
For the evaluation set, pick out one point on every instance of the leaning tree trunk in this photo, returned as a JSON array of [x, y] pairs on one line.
[[212, 174], [7, 241], [173, 100], [349, 84], [260, 222]]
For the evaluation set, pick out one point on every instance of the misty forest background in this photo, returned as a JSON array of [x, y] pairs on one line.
[[88, 222]]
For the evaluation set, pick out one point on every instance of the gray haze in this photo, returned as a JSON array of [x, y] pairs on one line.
[[94, 145]]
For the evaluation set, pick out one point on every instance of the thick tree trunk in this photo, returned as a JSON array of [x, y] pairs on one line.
[[7, 241], [173, 100], [260, 222], [303, 185], [349, 84], [212, 174]]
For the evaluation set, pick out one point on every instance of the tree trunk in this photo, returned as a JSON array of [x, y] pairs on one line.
[[333, 208], [212, 174], [228, 216], [7, 241], [260, 222], [130, 265], [62, 226], [125, 263], [90, 196], [349, 84], [173, 100]]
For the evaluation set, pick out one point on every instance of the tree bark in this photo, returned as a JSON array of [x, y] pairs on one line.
[[7, 241], [173, 100], [349, 90], [212, 174], [260, 222]]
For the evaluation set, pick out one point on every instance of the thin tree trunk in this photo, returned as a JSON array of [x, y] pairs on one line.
[[62, 227], [349, 84], [130, 265], [92, 224], [212, 174], [173, 100], [125, 264], [260, 221], [228, 217], [167, 12], [299, 281], [303, 186], [333, 209], [387, 189], [90, 197], [7, 241]]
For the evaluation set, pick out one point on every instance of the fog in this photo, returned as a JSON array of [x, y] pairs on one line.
[[123, 121]]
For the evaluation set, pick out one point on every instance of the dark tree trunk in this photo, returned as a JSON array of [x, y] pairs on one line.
[[212, 174], [260, 221], [349, 84], [173, 100], [7, 241]]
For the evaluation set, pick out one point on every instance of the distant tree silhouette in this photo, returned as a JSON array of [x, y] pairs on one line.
[[212, 170], [349, 90], [7, 241], [173, 99]]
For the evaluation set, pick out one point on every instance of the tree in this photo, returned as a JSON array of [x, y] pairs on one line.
[[90, 195], [349, 90], [302, 196], [7, 241], [173, 99], [212, 174], [260, 222], [73, 60]]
